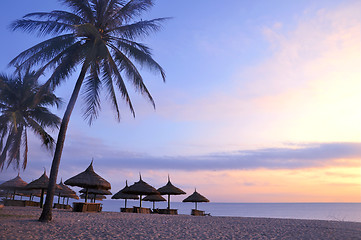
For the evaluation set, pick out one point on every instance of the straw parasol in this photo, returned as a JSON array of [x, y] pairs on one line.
[[154, 198], [64, 192], [196, 197], [125, 196], [141, 188], [170, 189], [88, 179], [42, 184], [96, 192], [14, 184]]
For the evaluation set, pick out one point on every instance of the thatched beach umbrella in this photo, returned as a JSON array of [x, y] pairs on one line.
[[125, 196], [42, 184], [154, 198], [170, 189], [88, 179], [96, 192], [67, 196], [141, 188], [14, 185], [196, 198], [64, 191]]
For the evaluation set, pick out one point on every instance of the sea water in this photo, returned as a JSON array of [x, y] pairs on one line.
[[319, 211]]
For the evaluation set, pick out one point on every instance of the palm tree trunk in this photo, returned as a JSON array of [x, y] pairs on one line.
[[46, 215]]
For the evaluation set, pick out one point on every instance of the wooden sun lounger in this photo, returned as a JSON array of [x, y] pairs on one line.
[[141, 210], [198, 213], [168, 211], [61, 206], [87, 207]]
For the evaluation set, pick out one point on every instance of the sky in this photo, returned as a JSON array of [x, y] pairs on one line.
[[262, 103]]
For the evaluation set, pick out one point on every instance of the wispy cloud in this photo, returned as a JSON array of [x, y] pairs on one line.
[[304, 156]]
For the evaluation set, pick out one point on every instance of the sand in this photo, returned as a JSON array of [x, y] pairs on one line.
[[21, 223]]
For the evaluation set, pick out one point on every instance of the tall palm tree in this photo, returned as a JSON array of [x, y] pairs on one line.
[[23, 108], [99, 37]]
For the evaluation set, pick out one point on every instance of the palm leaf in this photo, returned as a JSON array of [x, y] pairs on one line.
[[132, 73], [41, 27], [91, 94], [138, 29], [58, 16]]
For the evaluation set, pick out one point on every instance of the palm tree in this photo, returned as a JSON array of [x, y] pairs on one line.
[[99, 37], [23, 108]]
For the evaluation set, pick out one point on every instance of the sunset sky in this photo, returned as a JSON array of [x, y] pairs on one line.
[[262, 103]]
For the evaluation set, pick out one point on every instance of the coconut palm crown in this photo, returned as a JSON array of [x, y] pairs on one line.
[[23, 108], [98, 35]]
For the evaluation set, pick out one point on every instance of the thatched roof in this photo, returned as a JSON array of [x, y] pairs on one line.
[[88, 179], [65, 191], [122, 195], [96, 191], [27, 193], [154, 198], [170, 189], [13, 184], [196, 197], [74, 196], [40, 183], [91, 196], [141, 188]]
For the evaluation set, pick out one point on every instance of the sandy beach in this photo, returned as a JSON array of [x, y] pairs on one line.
[[21, 223]]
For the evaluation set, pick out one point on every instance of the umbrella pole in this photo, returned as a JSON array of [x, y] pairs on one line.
[[125, 204], [153, 205], [196, 205], [14, 195], [59, 198], [140, 204], [86, 195], [168, 201], [42, 198]]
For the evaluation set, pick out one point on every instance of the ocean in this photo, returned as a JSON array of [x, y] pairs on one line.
[[319, 211]]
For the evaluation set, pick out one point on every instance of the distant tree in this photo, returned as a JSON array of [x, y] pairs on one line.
[[23, 107], [99, 37]]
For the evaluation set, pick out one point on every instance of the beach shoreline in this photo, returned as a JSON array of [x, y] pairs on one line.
[[22, 223]]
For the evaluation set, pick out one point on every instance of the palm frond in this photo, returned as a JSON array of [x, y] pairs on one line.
[[14, 148], [42, 28], [121, 84], [108, 82], [131, 9], [58, 16], [91, 94], [65, 63], [132, 73], [140, 54], [43, 51], [39, 131], [138, 29], [82, 8], [5, 150], [44, 117]]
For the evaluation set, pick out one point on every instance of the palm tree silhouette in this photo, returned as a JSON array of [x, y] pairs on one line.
[[99, 37], [23, 107]]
